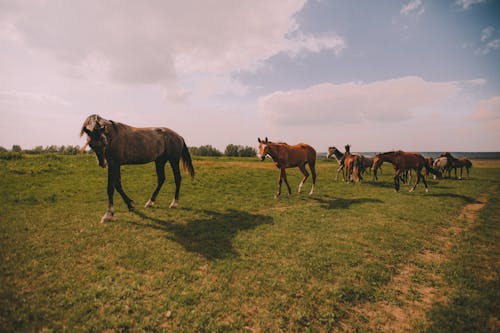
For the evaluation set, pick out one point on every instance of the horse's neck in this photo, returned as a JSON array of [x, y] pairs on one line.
[[275, 151], [338, 155]]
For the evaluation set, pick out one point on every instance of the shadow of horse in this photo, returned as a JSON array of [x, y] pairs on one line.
[[210, 236], [340, 203], [453, 195], [379, 184]]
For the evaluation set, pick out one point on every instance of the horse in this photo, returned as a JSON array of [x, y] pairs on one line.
[[287, 156], [461, 163], [333, 151], [366, 164], [430, 161], [442, 164], [403, 161], [353, 165], [117, 144]]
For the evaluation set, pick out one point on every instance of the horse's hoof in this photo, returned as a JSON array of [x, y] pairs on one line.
[[106, 218], [426, 190], [149, 204], [174, 204]]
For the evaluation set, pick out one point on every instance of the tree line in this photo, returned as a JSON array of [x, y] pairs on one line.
[[205, 150]]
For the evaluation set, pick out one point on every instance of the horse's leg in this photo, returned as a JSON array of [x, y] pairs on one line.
[[160, 174], [286, 182], [461, 170], [118, 186], [312, 166], [306, 174], [112, 178], [280, 180], [341, 168], [419, 175], [425, 184], [396, 180], [177, 178]]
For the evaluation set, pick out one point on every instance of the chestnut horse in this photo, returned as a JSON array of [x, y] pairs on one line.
[[116, 144], [461, 163], [404, 161], [286, 156], [353, 165]]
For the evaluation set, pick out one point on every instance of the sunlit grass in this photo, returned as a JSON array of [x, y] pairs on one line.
[[232, 257]]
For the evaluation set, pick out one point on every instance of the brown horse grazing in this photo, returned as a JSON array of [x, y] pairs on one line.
[[286, 156], [461, 163], [116, 144], [403, 161]]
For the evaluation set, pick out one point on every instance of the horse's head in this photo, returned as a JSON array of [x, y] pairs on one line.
[[332, 151], [96, 137], [263, 148]]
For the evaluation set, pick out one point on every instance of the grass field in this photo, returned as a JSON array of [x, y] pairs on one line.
[[353, 257]]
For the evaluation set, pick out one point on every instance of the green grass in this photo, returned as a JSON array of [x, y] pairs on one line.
[[232, 257]]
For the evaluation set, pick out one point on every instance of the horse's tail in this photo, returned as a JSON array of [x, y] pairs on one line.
[[186, 160], [356, 170]]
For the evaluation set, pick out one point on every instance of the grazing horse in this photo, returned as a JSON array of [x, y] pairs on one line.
[[366, 164], [403, 161], [116, 144], [333, 151], [442, 164], [461, 163], [286, 156]]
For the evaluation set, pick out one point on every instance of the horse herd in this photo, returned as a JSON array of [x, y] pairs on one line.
[[117, 144]]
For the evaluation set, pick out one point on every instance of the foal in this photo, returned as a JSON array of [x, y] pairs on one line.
[[286, 156]]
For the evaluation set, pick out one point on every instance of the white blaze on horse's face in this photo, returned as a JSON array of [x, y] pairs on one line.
[[263, 151]]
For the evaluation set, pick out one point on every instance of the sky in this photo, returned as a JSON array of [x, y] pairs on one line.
[[416, 75]]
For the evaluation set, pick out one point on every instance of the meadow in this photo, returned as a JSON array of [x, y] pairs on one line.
[[232, 258]]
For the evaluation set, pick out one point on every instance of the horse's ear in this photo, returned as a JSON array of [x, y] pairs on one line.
[[258, 139]]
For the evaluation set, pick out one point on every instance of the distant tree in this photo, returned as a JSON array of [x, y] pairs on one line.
[[206, 150], [232, 150], [247, 151], [17, 148], [2, 149]]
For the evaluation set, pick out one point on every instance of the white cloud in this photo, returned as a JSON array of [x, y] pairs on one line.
[[159, 42], [385, 101], [413, 7], [486, 33], [488, 109], [488, 113], [13, 96], [465, 4]]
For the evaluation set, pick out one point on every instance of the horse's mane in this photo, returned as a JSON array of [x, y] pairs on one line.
[[94, 119]]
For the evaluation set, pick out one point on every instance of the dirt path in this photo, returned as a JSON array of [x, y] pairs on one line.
[[419, 284]]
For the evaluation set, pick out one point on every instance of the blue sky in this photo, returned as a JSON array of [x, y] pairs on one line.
[[414, 75]]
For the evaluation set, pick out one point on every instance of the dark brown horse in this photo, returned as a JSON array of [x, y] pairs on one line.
[[404, 161], [116, 144], [461, 163], [286, 156]]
